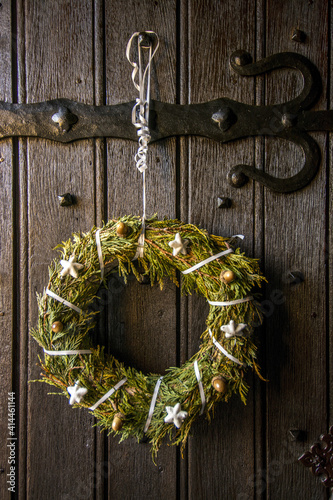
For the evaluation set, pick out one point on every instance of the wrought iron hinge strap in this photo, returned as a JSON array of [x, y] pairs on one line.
[[223, 120]]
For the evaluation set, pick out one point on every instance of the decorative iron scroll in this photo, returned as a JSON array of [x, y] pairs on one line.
[[320, 459], [223, 120]]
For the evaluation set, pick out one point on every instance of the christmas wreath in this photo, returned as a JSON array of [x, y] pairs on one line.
[[123, 399]]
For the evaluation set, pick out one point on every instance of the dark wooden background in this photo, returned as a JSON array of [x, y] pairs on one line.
[[76, 49]]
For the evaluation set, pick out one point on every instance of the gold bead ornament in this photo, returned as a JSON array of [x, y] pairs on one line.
[[228, 276], [219, 384], [117, 422], [121, 229], [57, 327]]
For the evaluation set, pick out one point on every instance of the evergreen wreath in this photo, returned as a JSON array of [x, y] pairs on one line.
[[123, 399]]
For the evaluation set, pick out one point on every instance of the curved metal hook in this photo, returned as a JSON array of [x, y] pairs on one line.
[[241, 62], [238, 175]]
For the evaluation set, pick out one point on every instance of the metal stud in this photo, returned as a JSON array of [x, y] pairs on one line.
[[224, 202], [237, 179], [66, 200], [298, 35], [294, 434], [224, 117], [241, 58], [295, 277], [288, 120], [64, 119]]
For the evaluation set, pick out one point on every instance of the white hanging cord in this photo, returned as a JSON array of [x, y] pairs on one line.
[[147, 40]]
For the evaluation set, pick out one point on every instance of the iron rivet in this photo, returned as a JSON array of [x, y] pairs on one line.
[[237, 179], [294, 434], [298, 36], [295, 277], [2, 313], [2, 470], [66, 200], [224, 117], [242, 58], [288, 120], [224, 202], [64, 119]]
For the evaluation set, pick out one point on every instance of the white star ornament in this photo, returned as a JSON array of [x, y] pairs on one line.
[[76, 393], [70, 267], [178, 245], [233, 329], [175, 415]]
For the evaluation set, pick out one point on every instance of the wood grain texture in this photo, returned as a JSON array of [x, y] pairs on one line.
[[216, 30], [8, 306], [295, 240], [329, 239], [142, 320], [76, 49], [59, 61]]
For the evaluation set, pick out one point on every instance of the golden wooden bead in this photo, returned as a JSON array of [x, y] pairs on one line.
[[219, 384], [117, 423], [228, 276], [121, 229], [57, 327]]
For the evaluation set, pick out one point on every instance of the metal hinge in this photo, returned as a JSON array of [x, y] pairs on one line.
[[223, 120]]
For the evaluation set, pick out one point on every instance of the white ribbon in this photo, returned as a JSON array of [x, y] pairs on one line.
[[213, 257], [141, 244], [108, 394], [67, 353], [231, 302], [206, 261], [152, 404], [142, 122], [99, 253], [218, 345], [63, 301], [201, 390]]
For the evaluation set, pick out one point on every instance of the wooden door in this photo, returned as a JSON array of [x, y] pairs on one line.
[[76, 49]]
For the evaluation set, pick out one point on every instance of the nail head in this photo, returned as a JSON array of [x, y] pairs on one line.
[[298, 35], [66, 200], [224, 202]]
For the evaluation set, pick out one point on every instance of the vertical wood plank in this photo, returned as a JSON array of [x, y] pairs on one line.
[[258, 479], [295, 240], [101, 465], [59, 62], [216, 29], [329, 232], [143, 327], [7, 278]]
